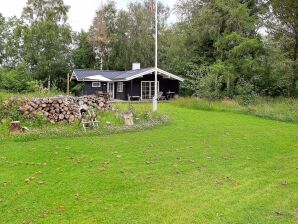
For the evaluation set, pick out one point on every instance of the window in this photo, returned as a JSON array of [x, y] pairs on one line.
[[96, 84], [148, 89], [120, 87]]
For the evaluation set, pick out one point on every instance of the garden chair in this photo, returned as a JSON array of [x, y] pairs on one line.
[[160, 96], [88, 119]]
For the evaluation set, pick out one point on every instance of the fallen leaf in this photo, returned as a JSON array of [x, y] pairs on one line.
[[61, 208], [6, 183], [41, 182], [77, 196], [27, 181], [101, 169], [278, 213], [284, 183]]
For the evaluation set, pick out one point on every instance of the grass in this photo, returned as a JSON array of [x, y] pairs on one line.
[[204, 167], [110, 122], [282, 109], [4, 95]]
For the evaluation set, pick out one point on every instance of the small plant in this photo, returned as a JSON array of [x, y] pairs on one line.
[[131, 108], [40, 120]]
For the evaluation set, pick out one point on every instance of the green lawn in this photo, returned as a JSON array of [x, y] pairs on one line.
[[204, 167]]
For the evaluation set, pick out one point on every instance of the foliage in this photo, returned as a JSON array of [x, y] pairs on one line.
[[122, 37], [83, 56], [282, 109], [283, 26], [47, 39], [15, 80], [11, 34], [245, 92], [223, 37], [78, 88]]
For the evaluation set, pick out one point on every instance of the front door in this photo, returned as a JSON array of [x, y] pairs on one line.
[[148, 89], [111, 89]]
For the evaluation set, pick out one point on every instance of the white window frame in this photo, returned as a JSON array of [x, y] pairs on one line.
[[120, 87], [150, 89], [113, 89], [96, 84]]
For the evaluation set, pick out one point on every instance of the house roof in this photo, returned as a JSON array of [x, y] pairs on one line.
[[84, 74]]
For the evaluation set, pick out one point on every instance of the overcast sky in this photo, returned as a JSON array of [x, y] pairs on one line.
[[81, 12]]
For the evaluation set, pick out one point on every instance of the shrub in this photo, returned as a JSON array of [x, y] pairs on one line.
[[210, 86], [36, 87], [78, 88], [245, 92], [15, 80], [204, 83]]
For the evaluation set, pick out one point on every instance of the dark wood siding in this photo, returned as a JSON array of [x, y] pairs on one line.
[[89, 90], [165, 85], [119, 95], [133, 87]]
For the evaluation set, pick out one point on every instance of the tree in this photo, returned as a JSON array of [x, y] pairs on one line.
[[47, 39], [2, 37], [124, 37], [11, 35], [101, 33], [83, 55], [283, 26], [222, 35]]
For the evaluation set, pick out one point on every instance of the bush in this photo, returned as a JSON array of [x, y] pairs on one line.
[[210, 86], [245, 92], [10, 110], [36, 87], [78, 88], [15, 80], [202, 82]]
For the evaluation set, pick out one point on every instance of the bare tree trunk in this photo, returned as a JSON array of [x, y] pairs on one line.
[[67, 86], [49, 83]]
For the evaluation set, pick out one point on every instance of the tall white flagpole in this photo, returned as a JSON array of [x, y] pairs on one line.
[[155, 89]]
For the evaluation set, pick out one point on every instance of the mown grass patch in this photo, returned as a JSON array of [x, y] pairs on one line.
[[282, 109], [204, 167]]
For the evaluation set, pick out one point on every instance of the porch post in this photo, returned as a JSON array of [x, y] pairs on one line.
[[131, 87]]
